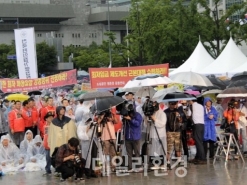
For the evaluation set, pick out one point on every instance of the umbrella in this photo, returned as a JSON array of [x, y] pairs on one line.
[[217, 82], [191, 78], [214, 91], [104, 104], [148, 80], [34, 93], [177, 96], [16, 97], [161, 93], [191, 92], [239, 76], [233, 92], [79, 93], [238, 83], [145, 91], [94, 95]]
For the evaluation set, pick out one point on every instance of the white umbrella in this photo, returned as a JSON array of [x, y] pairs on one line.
[[214, 91], [191, 78], [145, 91], [148, 80], [159, 95]]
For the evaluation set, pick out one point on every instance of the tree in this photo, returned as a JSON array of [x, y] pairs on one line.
[[46, 57], [221, 27], [94, 56], [8, 68]]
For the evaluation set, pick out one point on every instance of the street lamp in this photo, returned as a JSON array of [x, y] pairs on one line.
[[109, 29]]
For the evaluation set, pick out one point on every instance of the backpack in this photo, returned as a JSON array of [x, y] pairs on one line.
[[173, 124], [53, 156]]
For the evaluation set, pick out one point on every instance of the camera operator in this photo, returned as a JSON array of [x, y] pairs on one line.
[[173, 129], [108, 137], [132, 130], [232, 114], [69, 161], [159, 121]]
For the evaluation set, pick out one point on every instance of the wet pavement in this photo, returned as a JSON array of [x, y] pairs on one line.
[[235, 173]]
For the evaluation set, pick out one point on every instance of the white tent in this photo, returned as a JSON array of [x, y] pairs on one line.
[[239, 69], [230, 58], [198, 60]]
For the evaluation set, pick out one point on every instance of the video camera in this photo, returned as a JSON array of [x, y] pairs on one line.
[[125, 108], [150, 107]]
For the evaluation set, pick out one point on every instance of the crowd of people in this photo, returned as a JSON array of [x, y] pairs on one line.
[[73, 140]]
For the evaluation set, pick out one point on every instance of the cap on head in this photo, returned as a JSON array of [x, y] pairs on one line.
[[127, 93]]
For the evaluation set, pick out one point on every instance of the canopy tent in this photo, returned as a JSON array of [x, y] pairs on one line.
[[230, 58], [198, 60], [239, 69]]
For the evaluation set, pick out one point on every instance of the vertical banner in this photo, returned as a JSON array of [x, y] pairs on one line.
[[26, 53]]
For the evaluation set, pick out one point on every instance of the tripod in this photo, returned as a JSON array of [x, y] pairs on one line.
[[150, 121]]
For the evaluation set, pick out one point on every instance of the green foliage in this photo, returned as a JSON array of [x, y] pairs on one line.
[[46, 56], [94, 56], [8, 68]]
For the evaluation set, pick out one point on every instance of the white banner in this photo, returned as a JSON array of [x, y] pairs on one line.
[[26, 53]]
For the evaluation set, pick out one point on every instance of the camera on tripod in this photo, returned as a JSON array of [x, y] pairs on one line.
[[125, 108], [148, 108]]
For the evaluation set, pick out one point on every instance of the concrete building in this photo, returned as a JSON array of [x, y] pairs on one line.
[[75, 22]]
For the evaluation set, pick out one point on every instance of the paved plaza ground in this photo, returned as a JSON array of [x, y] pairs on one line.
[[235, 173]]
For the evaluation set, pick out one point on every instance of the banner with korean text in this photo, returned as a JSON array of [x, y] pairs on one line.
[[26, 53], [57, 80], [118, 77]]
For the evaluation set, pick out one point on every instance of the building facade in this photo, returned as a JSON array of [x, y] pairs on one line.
[[75, 22]]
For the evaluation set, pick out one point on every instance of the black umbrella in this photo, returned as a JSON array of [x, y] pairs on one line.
[[177, 96], [34, 93], [238, 83], [104, 104], [239, 76], [217, 82], [94, 95]]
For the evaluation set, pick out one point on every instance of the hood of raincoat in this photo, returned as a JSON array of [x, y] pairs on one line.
[[28, 131], [60, 122], [37, 139], [206, 99], [4, 137]]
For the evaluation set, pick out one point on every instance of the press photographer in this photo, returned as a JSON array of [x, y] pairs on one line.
[[132, 121], [68, 160], [232, 114], [155, 119], [106, 122], [174, 126]]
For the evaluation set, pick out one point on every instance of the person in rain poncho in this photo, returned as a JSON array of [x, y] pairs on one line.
[[84, 132], [4, 128], [159, 122], [36, 155], [9, 154], [28, 140], [36, 151], [79, 111], [210, 117], [61, 129], [69, 113]]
